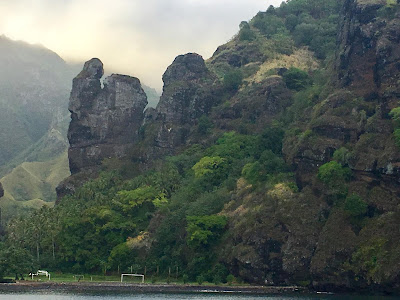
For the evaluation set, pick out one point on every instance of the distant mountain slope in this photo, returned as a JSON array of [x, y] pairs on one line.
[[152, 96], [34, 88], [35, 85]]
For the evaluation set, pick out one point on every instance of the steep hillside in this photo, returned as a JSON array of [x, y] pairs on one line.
[[34, 86], [274, 162]]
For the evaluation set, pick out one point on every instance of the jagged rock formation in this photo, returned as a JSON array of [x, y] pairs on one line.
[[367, 70], [355, 117], [189, 92], [105, 121], [1, 190], [367, 61]]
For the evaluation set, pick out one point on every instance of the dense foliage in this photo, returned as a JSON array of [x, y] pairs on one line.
[[227, 207], [106, 223]]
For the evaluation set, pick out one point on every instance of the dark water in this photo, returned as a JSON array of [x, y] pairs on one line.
[[202, 296]]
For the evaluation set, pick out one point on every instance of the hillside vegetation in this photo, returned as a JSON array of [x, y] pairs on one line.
[[291, 177]]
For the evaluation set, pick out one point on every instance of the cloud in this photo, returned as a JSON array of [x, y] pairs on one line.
[[135, 37]]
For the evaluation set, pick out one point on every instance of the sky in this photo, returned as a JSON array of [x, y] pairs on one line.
[[134, 37]]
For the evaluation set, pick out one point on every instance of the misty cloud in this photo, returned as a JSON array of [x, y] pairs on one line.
[[134, 37]]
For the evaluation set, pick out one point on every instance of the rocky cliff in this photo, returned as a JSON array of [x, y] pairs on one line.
[[104, 120], [1, 191], [189, 92]]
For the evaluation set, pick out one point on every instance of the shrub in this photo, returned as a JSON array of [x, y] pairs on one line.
[[232, 80], [342, 156], [397, 137], [296, 79], [355, 205], [217, 279], [200, 279], [185, 278], [245, 33], [332, 172], [204, 125], [395, 115], [205, 229], [334, 176], [230, 279]]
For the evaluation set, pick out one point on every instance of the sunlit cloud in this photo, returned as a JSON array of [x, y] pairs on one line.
[[135, 37]]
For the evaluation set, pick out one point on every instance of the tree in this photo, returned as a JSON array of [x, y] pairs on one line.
[[355, 205], [210, 169], [15, 260], [296, 79], [335, 176], [204, 230], [232, 80], [204, 125]]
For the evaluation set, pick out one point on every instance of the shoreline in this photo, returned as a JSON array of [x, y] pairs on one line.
[[93, 287]]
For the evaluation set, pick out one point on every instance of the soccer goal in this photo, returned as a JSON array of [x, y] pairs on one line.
[[133, 275]]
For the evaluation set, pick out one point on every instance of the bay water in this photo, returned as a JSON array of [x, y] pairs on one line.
[[170, 296]]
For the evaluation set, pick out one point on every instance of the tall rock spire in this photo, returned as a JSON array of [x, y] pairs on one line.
[[104, 121]]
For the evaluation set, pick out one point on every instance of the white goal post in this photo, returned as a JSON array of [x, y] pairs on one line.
[[134, 275]]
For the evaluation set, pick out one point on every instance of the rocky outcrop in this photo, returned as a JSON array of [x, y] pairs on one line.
[[367, 69], [190, 90], [1, 190], [367, 60], [256, 104], [104, 120], [355, 117]]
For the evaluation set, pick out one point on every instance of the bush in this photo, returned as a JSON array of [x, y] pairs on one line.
[[185, 278], [355, 205], [342, 156], [200, 279], [335, 176], [204, 125], [397, 137], [245, 33], [232, 80], [332, 172], [296, 79], [230, 279], [217, 279]]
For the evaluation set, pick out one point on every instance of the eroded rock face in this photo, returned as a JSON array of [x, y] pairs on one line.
[[356, 117], [369, 53], [189, 92], [104, 121], [1, 190]]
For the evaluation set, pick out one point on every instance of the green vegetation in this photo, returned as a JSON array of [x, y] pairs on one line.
[[108, 224], [232, 80], [355, 205], [229, 209], [296, 79], [311, 23], [395, 115], [335, 176]]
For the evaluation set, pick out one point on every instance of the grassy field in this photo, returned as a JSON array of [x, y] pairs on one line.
[[69, 277]]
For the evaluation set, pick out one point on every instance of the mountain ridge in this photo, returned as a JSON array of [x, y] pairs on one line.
[[251, 168]]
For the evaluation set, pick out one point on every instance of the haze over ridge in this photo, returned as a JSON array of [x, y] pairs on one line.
[[131, 37]]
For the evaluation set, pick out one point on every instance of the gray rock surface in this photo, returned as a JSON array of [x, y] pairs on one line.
[[104, 120], [189, 92]]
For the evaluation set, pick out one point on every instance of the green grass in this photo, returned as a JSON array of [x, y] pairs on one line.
[[71, 277], [32, 185]]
